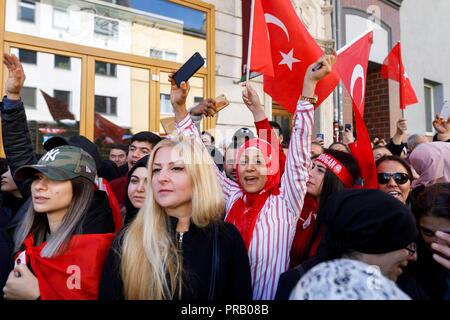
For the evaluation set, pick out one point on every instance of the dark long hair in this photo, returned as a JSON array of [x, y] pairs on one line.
[[331, 184], [37, 223], [433, 201]]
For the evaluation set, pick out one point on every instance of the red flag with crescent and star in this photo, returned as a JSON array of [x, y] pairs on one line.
[[393, 68], [351, 64], [292, 50]]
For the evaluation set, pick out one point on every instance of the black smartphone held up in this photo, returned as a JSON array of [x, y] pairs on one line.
[[189, 68], [348, 126]]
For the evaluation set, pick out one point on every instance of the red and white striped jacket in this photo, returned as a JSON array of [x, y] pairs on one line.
[[275, 228]]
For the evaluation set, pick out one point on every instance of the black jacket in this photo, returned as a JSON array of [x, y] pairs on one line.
[[6, 263], [233, 280], [17, 144], [9, 206]]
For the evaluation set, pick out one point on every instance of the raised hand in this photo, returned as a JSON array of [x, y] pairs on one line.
[[314, 76], [441, 125], [348, 136], [178, 96], [16, 76], [206, 107], [442, 249], [402, 126], [251, 100]]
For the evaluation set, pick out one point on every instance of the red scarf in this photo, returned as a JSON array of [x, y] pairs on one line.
[[245, 210], [304, 231], [74, 275]]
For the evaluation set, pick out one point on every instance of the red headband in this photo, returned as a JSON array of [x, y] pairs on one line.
[[337, 168]]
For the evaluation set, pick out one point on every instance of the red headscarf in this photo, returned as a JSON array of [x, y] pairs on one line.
[[245, 211]]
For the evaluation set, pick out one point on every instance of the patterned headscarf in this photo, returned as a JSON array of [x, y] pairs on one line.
[[345, 279]]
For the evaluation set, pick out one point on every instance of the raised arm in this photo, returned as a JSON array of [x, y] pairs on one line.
[[293, 181], [263, 128], [185, 126], [16, 137]]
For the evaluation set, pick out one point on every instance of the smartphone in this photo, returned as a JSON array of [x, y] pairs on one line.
[[189, 68], [348, 126], [320, 136], [221, 102]]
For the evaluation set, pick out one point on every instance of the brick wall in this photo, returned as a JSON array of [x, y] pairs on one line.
[[376, 113]]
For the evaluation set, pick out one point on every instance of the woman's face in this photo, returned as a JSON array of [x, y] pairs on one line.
[[252, 170], [315, 181], [392, 263], [7, 182], [51, 196], [137, 187], [428, 226], [171, 183], [394, 188]]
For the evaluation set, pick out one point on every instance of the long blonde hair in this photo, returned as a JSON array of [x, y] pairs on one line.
[[151, 266]]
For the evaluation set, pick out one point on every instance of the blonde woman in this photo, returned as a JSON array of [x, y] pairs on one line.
[[178, 247]]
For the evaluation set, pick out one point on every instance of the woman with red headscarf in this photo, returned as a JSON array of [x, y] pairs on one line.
[[264, 208]]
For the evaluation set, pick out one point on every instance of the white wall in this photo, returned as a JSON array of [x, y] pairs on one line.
[[425, 42]]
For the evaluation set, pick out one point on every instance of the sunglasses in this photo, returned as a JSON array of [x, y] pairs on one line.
[[399, 177]]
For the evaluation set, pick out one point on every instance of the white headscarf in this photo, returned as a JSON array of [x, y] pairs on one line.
[[345, 279]]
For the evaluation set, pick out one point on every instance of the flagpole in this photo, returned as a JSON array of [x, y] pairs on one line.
[[250, 40], [400, 79], [354, 41]]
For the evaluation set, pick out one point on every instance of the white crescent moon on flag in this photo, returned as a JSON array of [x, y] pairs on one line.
[[274, 20], [358, 72]]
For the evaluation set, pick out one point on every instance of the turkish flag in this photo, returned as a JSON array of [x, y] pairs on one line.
[[393, 69], [292, 50], [58, 109], [104, 127], [76, 273], [261, 57], [352, 64]]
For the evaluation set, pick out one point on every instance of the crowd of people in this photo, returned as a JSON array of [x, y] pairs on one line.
[[175, 218]]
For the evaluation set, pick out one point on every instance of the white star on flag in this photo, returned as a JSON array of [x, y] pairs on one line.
[[288, 59], [405, 75]]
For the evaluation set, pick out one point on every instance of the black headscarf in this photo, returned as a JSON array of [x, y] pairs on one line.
[[132, 210], [367, 221]]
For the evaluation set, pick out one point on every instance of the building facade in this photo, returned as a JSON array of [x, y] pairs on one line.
[[426, 46], [106, 62]]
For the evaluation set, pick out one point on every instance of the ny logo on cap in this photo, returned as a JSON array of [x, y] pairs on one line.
[[51, 155]]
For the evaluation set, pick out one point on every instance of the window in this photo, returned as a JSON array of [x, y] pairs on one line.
[[62, 62], [61, 19], [63, 96], [165, 105], [197, 100], [105, 69], [106, 105], [433, 100], [428, 97], [27, 10], [28, 96], [27, 56], [106, 27], [171, 56], [155, 53]]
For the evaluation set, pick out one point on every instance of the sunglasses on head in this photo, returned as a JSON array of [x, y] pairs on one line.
[[399, 177]]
